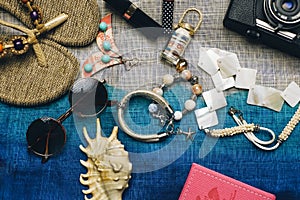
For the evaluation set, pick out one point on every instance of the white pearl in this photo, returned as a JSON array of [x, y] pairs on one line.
[[178, 115], [186, 74], [158, 91], [168, 79], [152, 108], [190, 105]]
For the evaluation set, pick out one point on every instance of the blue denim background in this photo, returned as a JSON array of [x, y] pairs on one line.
[[22, 176]]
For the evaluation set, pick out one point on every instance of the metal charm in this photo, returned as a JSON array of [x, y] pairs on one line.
[[181, 38]]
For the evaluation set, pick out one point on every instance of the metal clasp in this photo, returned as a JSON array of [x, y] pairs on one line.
[[170, 127], [187, 26], [262, 144]]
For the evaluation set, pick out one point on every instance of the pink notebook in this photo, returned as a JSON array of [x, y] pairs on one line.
[[205, 184]]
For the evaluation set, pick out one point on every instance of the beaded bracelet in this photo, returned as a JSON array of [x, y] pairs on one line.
[[232, 131], [168, 80], [156, 98]]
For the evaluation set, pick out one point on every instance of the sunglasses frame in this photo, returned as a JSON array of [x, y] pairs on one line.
[[64, 116]]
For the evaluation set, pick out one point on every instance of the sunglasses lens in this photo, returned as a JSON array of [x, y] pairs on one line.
[[88, 96], [45, 136]]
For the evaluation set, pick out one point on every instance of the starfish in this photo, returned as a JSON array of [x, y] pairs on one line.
[[189, 134]]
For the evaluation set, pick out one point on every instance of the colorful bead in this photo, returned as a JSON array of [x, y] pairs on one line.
[[105, 59], [158, 91], [197, 89], [34, 15], [194, 80], [103, 26], [181, 65], [88, 68], [168, 79], [178, 115], [106, 45], [186, 74], [190, 105], [1, 48], [194, 97], [18, 44]]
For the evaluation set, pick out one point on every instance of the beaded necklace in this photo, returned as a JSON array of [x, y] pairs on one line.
[[182, 74]]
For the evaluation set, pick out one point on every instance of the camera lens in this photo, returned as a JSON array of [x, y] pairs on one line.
[[288, 5], [284, 14]]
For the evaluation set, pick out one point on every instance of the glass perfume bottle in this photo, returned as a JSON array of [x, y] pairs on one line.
[[181, 38]]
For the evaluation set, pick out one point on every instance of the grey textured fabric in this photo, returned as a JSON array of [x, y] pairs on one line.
[[275, 68]]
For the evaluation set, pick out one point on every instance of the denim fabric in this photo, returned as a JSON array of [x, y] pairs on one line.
[[22, 176]]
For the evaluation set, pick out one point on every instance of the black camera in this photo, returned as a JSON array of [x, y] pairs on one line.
[[273, 22]]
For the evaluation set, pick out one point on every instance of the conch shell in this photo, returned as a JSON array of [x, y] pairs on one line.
[[108, 166]]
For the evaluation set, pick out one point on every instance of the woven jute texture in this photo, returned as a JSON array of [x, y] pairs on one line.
[[25, 83], [81, 27]]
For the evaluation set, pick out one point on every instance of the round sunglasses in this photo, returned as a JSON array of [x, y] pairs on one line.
[[46, 136]]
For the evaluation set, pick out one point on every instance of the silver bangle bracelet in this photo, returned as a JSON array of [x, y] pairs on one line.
[[158, 99]]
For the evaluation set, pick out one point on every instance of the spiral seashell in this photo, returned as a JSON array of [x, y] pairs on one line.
[[108, 166]]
